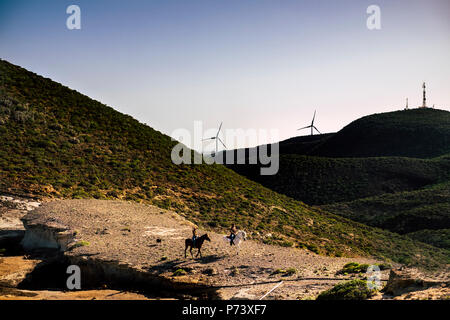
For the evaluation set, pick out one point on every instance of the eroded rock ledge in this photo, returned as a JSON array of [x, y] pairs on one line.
[[43, 233], [402, 281]]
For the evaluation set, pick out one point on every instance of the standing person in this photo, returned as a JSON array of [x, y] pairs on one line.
[[233, 231]]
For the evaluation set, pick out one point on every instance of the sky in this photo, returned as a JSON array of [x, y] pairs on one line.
[[251, 64]]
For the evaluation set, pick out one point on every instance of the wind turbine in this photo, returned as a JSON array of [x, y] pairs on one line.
[[311, 125], [216, 137]]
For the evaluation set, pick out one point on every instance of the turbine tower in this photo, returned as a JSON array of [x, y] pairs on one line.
[[406, 108], [216, 137], [311, 125]]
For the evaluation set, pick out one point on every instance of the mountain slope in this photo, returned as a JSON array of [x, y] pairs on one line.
[[439, 238], [320, 180], [417, 133], [303, 144], [57, 142], [423, 214]]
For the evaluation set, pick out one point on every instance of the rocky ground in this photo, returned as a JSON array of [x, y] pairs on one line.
[[411, 284], [123, 242], [13, 270], [15, 265]]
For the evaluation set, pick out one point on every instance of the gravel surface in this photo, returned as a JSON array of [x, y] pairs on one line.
[[149, 239]]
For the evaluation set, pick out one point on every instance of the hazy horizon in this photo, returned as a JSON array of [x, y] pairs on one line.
[[251, 64]]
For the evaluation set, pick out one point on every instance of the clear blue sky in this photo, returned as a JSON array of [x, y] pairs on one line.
[[249, 63]]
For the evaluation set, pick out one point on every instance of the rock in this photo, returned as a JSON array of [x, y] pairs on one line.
[[243, 295], [210, 271], [401, 280], [13, 270], [32, 205], [10, 240], [20, 204], [406, 280], [44, 233]]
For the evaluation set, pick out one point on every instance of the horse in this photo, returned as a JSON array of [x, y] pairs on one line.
[[240, 236], [198, 244]]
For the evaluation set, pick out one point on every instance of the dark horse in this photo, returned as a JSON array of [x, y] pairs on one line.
[[198, 244]]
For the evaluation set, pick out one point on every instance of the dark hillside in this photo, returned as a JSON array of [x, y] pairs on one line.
[[417, 133], [422, 214], [319, 180]]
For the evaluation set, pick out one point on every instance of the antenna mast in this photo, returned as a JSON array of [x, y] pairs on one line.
[[424, 103]]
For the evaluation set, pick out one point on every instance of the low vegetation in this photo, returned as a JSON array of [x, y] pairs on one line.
[[81, 243], [351, 290], [423, 215], [438, 238], [179, 272], [285, 272], [320, 181], [354, 267]]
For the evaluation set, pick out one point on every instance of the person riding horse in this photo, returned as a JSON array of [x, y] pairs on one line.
[[194, 235], [195, 242], [233, 231]]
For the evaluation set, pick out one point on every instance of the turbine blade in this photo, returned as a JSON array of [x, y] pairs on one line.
[[304, 128], [317, 130], [220, 127], [209, 139], [314, 116], [222, 143]]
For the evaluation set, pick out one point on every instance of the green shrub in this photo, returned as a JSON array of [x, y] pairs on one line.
[[313, 248], [286, 244], [354, 267], [290, 271], [351, 290], [278, 271], [384, 266], [179, 272], [285, 272], [81, 243], [234, 272]]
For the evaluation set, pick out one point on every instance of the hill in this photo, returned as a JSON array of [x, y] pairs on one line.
[[303, 144], [417, 133], [423, 214], [320, 180], [59, 143], [300, 145], [373, 155]]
